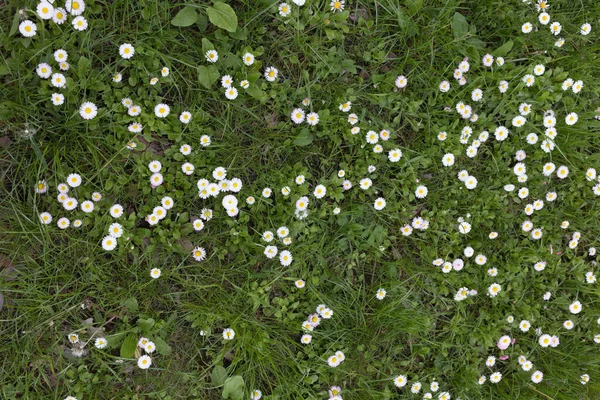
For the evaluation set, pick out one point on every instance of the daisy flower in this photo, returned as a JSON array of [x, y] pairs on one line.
[[537, 377], [337, 5], [161, 110], [544, 18], [100, 343], [144, 362], [585, 29], [448, 159], [312, 119], [80, 23], [444, 86], [285, 258], [60, 16], [185, 117], [109, 243], [199, 253], [571, 118], [271, 74], [205, 140], [212, 56], [284, 9], [88, 110], [400, 381], [231, 93], [44, 70], [575, 307], [496, 377], [27, 28], [248, 59], [126, 51], [379, 204], [58, 80], [401, 82], [155, 273], [46, 218], [228, 334]]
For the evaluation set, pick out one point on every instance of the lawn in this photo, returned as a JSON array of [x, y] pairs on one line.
[[252, 199]]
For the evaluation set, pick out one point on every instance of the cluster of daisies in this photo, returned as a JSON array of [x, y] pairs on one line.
[[285, 10], [549, 172], [144, 361], [57, 79], [542, 6], [285, 257], [314, 320], [46, 11], [401, 381], [299, 115], [68, 202], [127, 51], [231, 92]]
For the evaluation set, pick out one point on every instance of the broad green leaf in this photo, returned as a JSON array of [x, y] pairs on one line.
[[460, 27], [413, 6], [131, 304], [207, 75], [218, 375], [504, 49], [223, 16], [185, 17], [162, 347], [207, 45], [15, 24], [83, 66], [146, 324], [304, 138], [234, 388], [128, 346]]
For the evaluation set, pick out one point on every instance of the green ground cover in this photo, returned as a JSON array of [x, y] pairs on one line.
[[366, 199]]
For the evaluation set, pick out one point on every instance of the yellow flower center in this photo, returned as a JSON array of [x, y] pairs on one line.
[[28, 28]]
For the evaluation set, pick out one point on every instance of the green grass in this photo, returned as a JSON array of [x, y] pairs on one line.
[[55, 282]]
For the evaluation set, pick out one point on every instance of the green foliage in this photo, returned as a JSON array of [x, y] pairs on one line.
[[55, 282]]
